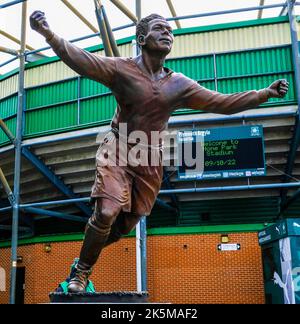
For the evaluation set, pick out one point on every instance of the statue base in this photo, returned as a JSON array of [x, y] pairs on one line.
[[120, 297]]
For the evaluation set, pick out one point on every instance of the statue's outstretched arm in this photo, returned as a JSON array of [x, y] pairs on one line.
[[200, 98], [96, 67]]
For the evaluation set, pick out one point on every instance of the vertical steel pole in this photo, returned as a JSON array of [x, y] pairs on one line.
[[138, 9], [138, 243], [138, 258], [6, 187], [141, 229], [143, 223], [17, 173], [103, 31], [143, 243]]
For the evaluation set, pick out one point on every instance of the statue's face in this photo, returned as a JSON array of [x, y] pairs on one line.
[[159, 37]]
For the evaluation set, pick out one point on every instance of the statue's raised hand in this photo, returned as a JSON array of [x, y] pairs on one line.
[[39, 23], [278, 89]]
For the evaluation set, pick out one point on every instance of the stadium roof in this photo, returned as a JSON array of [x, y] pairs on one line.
[[64, 21]]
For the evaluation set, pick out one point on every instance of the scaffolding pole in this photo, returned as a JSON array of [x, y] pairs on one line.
[[8, 51], [7, 132], [6, 187], [14, 39], [173, 12], [79, 15], [125, 10], [284, 10], [12, 3], [141, 227], [18, 147], [260, 12], [103, 31], [110, 34]]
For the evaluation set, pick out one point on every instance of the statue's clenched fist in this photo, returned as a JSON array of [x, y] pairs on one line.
[[39, 23], [278, 89]]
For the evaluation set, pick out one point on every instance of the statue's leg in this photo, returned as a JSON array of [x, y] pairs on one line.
[[96, 233], [124, 224]]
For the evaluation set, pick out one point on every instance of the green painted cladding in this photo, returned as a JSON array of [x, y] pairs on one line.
[[91, 88], [45, 120], [208, 84], [197, 68], [63, 105], [254, 62], [51, 94], [254, 83], [98, 109], [8, 107], [11, 124]]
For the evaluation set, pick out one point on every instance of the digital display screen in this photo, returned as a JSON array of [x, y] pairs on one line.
[[227, 152]]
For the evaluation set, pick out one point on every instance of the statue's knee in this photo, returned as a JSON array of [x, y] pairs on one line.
[[104, 215]]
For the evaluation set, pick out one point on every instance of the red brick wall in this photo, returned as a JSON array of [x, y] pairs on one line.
[[181, 269]]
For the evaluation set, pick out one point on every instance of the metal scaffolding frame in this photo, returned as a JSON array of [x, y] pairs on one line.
[[21, 149]]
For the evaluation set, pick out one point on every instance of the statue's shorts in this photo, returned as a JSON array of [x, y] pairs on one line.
[[120, 178]]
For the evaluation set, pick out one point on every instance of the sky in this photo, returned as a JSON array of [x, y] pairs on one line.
[[63, 22]]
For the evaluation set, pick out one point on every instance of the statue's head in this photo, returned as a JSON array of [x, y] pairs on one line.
[[154, 32]]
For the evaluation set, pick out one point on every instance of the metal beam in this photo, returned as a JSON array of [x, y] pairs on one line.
[[231, 188], [8, 51], [55, 202], [125, 10], [52, 177], [296, 134], [260, 12], [284, 10], [8, 61], [226, 12], [5, 209], [44, 212], [173, 12], [7, 188], [12, 3], [141, 254], [103, 31], [159, 202], [110, 34], [7, 132], [138, 9], [14, 39], [79, 15], [164, 205], [18, 147]]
